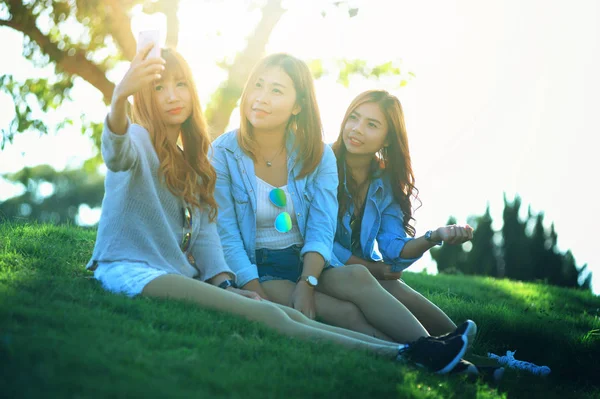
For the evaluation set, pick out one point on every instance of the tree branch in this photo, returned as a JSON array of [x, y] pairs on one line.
[[120, 28], [72, 61], [169, 8], [170, 12], [225, 99]]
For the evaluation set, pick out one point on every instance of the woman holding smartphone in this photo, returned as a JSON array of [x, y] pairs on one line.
[[157, 234]]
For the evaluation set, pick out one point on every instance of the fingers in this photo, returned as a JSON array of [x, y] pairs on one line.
[[143, 53], [309, 312], [255, 296], [393, 276], [153, 62], [451, 234], [151, 74], [459, 234], [156, 67], [251, 295], [469, 230]]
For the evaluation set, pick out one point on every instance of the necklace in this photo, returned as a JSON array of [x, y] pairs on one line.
[[269, 163]]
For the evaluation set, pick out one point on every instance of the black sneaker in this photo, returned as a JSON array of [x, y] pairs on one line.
[[464, 367], [467, 329], [435, 355]]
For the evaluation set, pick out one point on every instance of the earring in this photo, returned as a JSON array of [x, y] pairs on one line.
[[294, 123], [384, 151]]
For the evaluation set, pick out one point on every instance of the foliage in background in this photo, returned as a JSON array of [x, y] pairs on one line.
[[51, 196], [105, 38], [523, 250]]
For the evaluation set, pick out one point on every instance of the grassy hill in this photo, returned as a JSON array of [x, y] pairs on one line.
[[61, 335]]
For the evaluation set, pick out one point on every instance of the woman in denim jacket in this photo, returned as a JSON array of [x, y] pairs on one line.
[[277, 195], [376, 186], [157, 235]]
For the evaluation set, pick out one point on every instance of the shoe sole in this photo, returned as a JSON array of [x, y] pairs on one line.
[[458, 356], [470, 332]]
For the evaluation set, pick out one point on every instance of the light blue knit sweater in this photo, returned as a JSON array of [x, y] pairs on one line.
[[142, 220]]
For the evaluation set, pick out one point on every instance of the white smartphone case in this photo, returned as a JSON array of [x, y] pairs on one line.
[[149, 36]]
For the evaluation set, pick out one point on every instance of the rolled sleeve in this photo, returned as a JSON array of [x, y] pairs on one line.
[[322, 214], [118, 150], [395, 247], [392, 238], [247, 274], [207, 250], [342, 253], [227, 224]]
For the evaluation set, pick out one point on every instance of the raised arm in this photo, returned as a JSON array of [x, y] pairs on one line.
[[118, 152]]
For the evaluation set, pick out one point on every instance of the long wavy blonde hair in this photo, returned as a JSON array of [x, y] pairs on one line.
[[306, 126], [191, 176]]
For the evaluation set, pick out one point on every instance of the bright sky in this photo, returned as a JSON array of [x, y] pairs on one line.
[[503, 99]]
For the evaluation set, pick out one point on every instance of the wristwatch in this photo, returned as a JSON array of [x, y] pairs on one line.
[[428, 238], [310, 280], [228, 283]]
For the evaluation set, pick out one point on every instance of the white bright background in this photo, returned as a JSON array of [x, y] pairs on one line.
[[504, 99]]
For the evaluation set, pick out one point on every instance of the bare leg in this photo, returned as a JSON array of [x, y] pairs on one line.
[[210, 297], [299, 317], [330, 310], [354, 283], [432, 317]]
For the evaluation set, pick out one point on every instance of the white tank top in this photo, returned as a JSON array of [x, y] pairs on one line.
[[266, 212]]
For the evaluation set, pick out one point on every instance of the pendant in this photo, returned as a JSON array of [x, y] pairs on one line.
[[269, 163]]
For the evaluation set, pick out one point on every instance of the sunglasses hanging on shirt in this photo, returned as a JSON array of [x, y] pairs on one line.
[[283, 221]]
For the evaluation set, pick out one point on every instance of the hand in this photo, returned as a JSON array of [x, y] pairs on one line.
[[245, 293], [454, 234], [254, 285], [383, 271], [303, 299], [141, 72]]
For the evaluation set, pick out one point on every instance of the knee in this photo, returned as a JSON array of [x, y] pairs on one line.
[[296, 315], [273, 317], [398, 289], [350, 315], [358, 275]]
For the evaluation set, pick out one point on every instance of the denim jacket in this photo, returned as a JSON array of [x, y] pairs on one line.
[[382, 234], [314, 197]]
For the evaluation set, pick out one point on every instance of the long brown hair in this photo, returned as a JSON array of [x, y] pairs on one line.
[[190, 177], [394, 160], [306, 125]]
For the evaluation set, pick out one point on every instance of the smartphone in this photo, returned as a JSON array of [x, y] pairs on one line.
[[149, 36]]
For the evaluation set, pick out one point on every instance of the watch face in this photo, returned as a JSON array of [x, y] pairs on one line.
[[312, 280]]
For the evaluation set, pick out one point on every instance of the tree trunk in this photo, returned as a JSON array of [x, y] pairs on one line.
[[227, 95]]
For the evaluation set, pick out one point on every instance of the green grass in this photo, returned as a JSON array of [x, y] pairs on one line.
[[61, 335]]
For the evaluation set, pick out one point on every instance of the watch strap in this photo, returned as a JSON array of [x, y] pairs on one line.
[[228, 283], [428, 238]]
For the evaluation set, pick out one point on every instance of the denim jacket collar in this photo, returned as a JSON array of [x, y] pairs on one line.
[[376, 186]]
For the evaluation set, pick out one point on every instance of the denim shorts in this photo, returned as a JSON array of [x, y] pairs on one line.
[[126, 277], [279, 264]]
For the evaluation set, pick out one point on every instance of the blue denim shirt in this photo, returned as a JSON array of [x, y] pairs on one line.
[[382, 234], [314, 197]]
